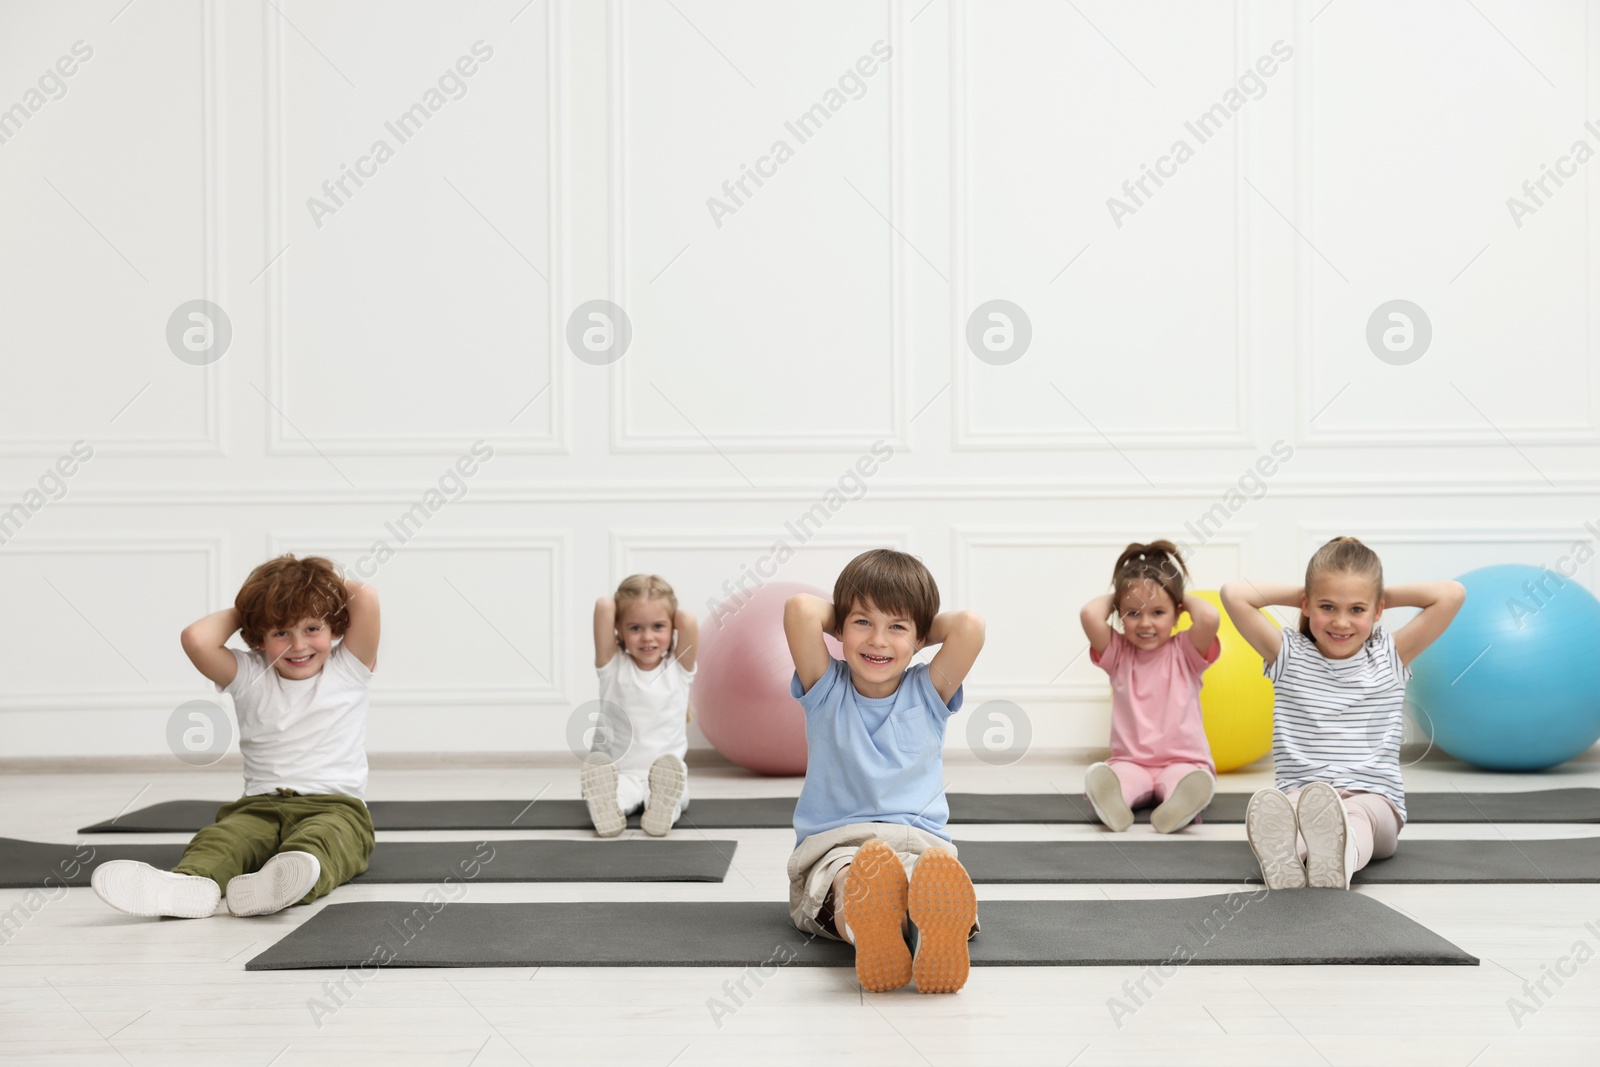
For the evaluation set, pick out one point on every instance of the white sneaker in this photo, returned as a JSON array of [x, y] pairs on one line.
[[140, 889], [1269, 824], [668, 779], [598, 780], [283, 880], [1324, 823], [1189, 798], [1104, 790]]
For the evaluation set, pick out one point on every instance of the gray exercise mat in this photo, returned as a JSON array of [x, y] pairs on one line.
[[1576, 805], [1238, 928], [187, 816], [1232, 862], [37, 864]]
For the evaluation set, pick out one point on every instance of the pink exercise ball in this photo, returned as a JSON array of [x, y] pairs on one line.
[[741, 686]]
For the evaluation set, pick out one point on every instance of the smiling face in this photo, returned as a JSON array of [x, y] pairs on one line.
[[646, 631], [878, 648], [1148, 615], [298, 651], [1342, 609]]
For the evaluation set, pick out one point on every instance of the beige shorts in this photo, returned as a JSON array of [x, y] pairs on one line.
[[817, 860]]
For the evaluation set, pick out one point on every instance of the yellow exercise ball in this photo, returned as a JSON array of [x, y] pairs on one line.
[[1235, 697]]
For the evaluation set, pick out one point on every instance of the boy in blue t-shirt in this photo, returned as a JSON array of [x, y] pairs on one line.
[[873, 862]]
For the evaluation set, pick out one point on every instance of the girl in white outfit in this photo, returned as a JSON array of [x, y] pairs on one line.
[[642, 736]]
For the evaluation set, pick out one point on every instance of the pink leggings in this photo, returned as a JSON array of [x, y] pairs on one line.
[[1373, 821], [1141, 783]]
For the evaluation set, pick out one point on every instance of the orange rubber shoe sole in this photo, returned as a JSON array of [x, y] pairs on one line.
[[944, 906], [875, 910]]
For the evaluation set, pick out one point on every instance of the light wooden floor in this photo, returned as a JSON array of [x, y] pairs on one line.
[[80, 983]]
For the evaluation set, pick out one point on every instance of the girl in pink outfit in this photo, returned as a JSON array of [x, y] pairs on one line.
[[1158, 745]]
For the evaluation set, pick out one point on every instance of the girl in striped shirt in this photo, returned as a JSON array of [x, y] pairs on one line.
[[1339, 684]]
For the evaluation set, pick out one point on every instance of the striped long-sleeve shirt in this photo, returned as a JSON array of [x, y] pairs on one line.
[[1339, 720]]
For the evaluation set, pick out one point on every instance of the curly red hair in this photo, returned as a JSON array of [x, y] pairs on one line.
[[282, 591]]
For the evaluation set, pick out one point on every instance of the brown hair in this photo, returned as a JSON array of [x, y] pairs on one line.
[[1159, 562], [893, 582], [282, 591], [1342, 555], [643, 588]]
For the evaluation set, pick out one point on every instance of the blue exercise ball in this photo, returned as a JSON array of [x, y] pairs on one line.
[[1514, 683]]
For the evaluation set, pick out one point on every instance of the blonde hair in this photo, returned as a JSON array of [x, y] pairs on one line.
[[643, 588], [893, 582], [1159, 562], [1342, 555]]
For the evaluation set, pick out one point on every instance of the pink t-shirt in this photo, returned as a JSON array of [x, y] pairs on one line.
[[1155, 700]]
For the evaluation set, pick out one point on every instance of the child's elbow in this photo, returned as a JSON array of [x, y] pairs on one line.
[[972, 626], [794, 613], [363, 601], [1457, 593]]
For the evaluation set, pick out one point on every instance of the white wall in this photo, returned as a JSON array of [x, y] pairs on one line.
[[827, 312]]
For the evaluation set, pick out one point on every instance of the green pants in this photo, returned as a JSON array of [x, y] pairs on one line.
[[251, 830]]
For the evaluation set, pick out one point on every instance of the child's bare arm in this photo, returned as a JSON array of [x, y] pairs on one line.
[[205, 643], [605, 630], [1205, 621], [959, 635], [1244, 600], [805, 619], [1096, 620], [362, 636], [688, 637], [1439, 602]]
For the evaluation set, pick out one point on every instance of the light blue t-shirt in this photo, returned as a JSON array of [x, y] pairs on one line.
[[873, 759]]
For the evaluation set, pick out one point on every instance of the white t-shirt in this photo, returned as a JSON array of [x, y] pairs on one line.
[[657, 705], [305, 734], [1339, 720]]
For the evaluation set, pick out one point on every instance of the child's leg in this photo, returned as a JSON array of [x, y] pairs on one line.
[[1371, 821], [943, 907], [868, 901], [1294, 805], [1331, 837], [632, 791], [1375, 826], [337, 830], [666, 796], [1167, 778], [1184, 789], [1113, 789], [1270, 828], [602, 789], [244, 837], [836, 870], [1138, 783]]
